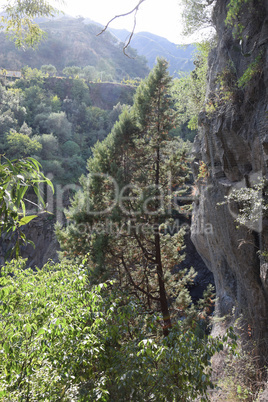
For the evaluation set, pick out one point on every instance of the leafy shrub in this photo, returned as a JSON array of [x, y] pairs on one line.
[[239, 376], [58, 124], [70, 148], [20, 145], [49, 144], [252, 71], [62, 339], [236, 9], [51, 331], [54, 167], [17, 177]]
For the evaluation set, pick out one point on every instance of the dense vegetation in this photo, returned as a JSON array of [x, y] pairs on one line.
[[56, 121], [114, 321], [143, 337], [131, 175], [63, 339]]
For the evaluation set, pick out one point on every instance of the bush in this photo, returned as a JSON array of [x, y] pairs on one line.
[[49, 144], [58, 124], [62, 338], [54, 167], [70, 148], [51, 331], [20, 145]]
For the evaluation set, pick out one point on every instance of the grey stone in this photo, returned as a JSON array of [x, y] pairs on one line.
[[233, 142]]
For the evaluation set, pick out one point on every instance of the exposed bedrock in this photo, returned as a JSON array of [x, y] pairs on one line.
[[233, 142]]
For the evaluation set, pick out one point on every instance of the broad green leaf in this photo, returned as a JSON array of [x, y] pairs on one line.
[[40, 332], [26, 219]]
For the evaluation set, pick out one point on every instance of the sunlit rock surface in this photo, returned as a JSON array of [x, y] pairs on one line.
[[233, 142]]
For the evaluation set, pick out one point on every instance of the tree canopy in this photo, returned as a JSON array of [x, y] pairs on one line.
[[18, 20], [123, 217]]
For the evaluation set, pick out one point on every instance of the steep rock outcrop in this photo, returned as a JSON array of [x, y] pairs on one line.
[[233, 143], [41, 232]]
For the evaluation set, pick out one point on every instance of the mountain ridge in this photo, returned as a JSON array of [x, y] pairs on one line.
[[75, 41], [69, 42], [151, 45]]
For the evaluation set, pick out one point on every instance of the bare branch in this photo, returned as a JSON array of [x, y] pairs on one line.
[[146, 253], [135, 10], [134, 284]]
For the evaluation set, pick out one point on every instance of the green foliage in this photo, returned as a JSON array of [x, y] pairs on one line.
[[255, 68], [50, 112], [229, 84], [236, 9], [26, 130], [89, 73], [12, 113], [189, 90], [20, 145], [49, 146], [56, 104], [32, 76], [80, 92], [17, 177], [49, 69], [61, 337], [170, 369], [123, 215], [35, 102], [53, 333], [58, 124], [70, 148], [18, 21], [72, 164], [54, 167], [72, 71]]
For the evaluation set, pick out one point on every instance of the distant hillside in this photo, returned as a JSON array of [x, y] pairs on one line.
[[71, 42], [151, 46]]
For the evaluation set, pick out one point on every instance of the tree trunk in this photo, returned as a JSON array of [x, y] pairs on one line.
[[160, 273], [162, 290]]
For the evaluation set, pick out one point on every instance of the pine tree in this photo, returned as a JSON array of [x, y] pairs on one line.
[[123, 216]]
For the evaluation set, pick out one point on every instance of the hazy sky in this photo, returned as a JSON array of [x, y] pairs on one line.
[[161, 17]]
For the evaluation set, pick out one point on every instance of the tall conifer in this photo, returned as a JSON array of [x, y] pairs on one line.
[[123, 216]]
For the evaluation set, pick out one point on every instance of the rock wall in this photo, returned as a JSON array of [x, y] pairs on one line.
[[41, 231], [233, 142]]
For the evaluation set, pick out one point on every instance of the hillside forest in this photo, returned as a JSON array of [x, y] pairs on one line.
[[57, 120], [113, 317], [129, 262]]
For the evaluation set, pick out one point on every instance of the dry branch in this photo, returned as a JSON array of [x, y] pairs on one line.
[[134, 11]]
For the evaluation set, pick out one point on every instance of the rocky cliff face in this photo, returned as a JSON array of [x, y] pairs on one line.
[[41, 232], [233, 143]]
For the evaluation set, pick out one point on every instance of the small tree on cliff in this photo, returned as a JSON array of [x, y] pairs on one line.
[[122, 217]]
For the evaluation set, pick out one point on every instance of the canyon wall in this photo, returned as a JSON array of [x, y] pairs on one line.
[[41, 232], [233, 143]]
